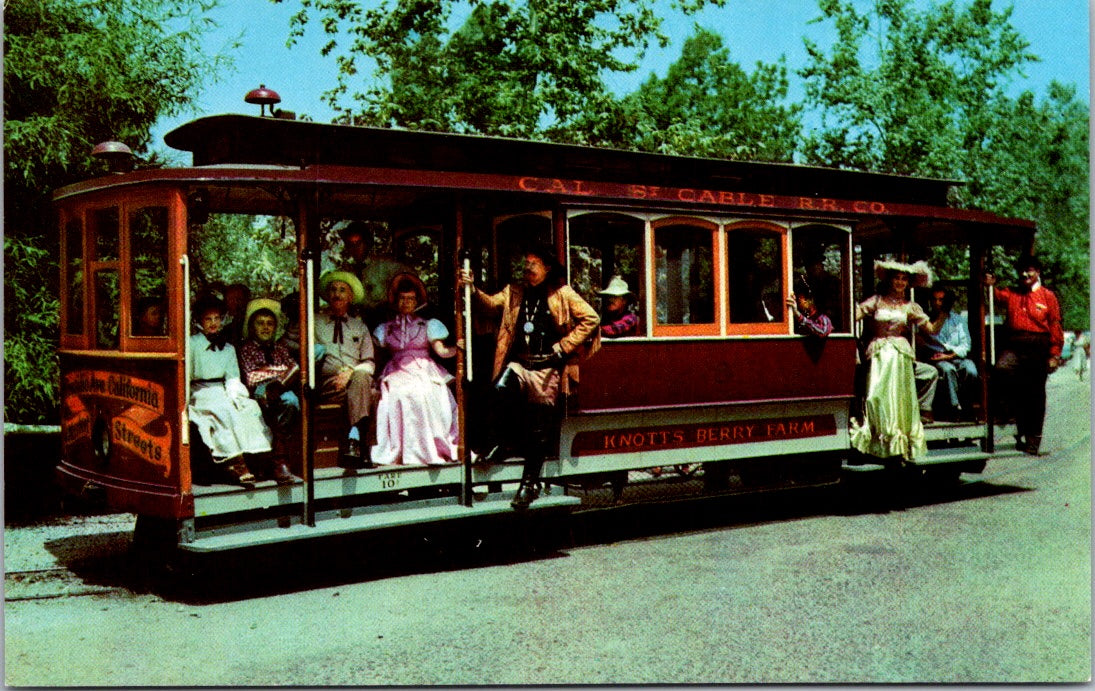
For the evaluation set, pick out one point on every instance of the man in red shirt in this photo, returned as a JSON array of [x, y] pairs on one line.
[[1032, 350]]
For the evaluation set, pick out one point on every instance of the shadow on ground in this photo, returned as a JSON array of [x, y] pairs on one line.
[[110, 561]]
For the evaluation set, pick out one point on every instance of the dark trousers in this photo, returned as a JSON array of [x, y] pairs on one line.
[[1023, 368]]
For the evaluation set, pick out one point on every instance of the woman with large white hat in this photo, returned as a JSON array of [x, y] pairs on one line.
[[891, 424]]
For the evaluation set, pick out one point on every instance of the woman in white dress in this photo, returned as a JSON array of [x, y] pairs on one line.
[[228, 420], [416, 416], [891, 424]]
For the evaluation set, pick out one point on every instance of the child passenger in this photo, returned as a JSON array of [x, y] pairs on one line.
[[229, 422]]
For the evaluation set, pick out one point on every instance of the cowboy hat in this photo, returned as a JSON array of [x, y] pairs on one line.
[[345, 277], [920, 274], [272, 306], [402, 278], [617, 287]]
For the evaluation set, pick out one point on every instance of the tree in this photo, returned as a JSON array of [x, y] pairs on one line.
[[708, 105], [525, 69], [907, 91], [76, 72], [925, 93]]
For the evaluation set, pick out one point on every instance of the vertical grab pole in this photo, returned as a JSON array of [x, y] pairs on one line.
[[309, 341], [184, 415], [463, 362]]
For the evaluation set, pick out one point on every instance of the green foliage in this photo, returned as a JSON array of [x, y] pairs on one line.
[[709, 106], [925, 93], [76, 72], [908, 91], [267, 242], [523, 69]]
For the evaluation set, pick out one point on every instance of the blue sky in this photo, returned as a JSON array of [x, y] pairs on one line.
[[763, 30]]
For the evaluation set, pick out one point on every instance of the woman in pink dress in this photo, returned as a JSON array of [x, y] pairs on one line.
[[416, 416]]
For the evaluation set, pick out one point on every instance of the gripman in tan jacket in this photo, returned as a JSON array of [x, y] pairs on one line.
[[546, 328]]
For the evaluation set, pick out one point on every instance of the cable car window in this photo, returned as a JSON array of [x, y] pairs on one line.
[[514, 236], [74, 277], [148, 270], [107, 297], [104, 229], [755, 259], [603, 246], [820, 261], [684, 275]]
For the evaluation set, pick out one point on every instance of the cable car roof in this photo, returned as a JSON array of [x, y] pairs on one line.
[[242, 139]]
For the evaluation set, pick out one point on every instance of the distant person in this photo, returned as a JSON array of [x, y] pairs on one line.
[[947, 351], [416, 421], [150, 317], [892, 424], [375, 271], [1032, 350], [236, 297], [1081, 351], [618, 320]]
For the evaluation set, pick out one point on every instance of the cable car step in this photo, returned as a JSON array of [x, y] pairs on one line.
[[364, 519], [941, 456]]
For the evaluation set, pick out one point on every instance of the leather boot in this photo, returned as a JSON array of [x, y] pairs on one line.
[[529, 489], [281, 473], [238, 472], [1033, 446]]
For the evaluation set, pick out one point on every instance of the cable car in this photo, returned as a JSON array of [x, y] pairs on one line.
[[714, 386]]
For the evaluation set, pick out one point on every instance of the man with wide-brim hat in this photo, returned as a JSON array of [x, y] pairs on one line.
[[618, 321], [266, 367], [347, 369], [545, 329]]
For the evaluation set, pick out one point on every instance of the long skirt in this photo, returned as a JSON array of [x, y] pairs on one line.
[[229, 428], [415, 420], [891, 421]]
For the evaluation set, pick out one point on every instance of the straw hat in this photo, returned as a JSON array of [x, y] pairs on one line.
[[345, 277], [920, 274], [617, 287], [263, 304], [415, 281]]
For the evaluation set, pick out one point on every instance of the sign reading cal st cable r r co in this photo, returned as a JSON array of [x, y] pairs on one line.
[[690, 195]]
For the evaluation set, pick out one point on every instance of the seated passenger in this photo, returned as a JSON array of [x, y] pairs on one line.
[[947, 352], [149, 317], [346, 373], [290, 311], [236, 298], [618, 320], [416, 416], [229, 422], [269, 371], [809, 320]]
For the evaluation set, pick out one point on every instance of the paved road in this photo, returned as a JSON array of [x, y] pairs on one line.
[[989, 581]]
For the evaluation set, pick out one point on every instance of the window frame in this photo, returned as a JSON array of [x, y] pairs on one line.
[[783, 325], [718, 268], [125, 202]]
